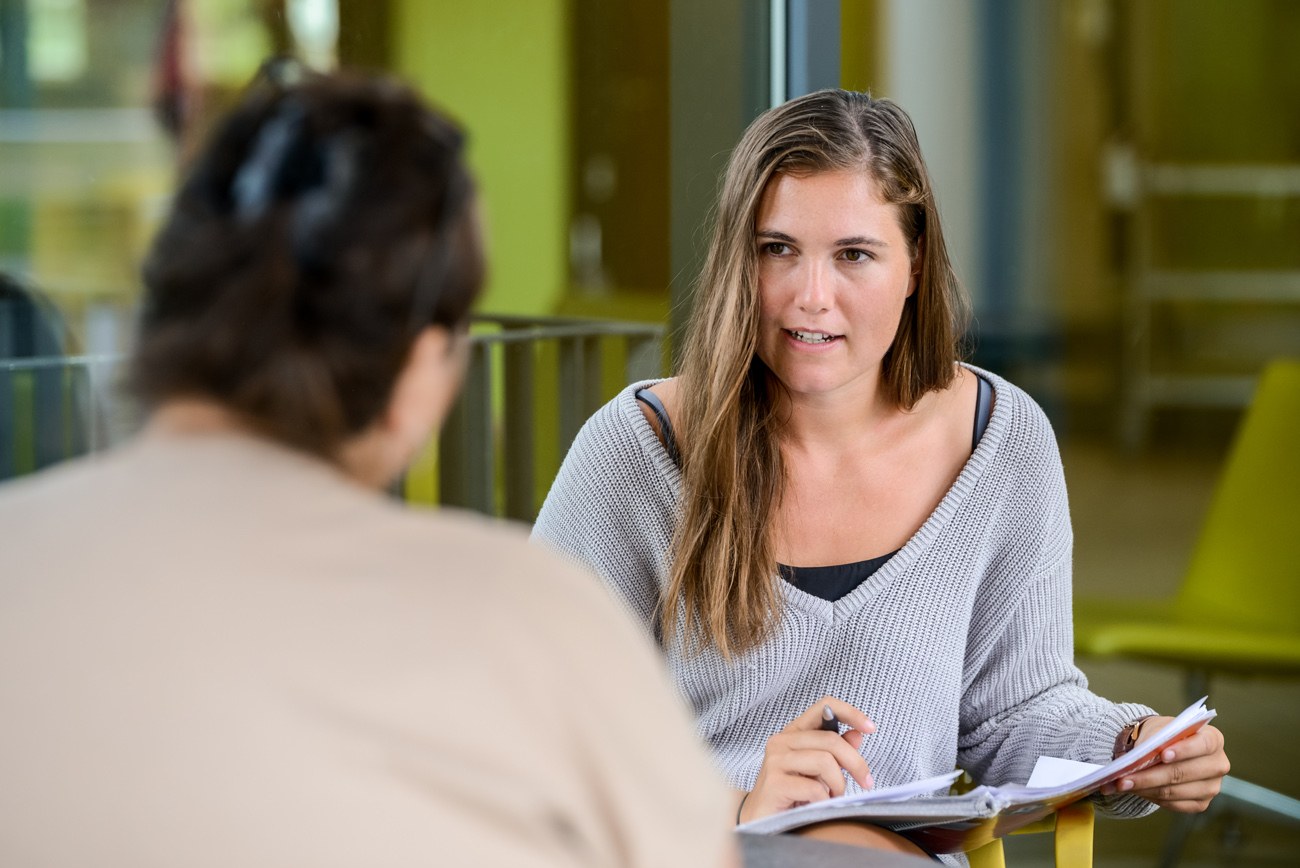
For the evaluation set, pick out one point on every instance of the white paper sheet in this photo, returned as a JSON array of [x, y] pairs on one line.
[[1051, 771]]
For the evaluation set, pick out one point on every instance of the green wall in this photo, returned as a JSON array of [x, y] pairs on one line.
[[502, 70]]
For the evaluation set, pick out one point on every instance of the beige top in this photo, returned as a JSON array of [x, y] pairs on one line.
[[214, 651]]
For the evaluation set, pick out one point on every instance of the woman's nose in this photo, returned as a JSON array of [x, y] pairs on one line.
[[814, 289]]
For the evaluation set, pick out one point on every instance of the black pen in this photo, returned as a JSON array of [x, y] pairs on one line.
[[830, 722]]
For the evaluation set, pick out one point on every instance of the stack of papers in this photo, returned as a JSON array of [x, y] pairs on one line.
[[956, 823]]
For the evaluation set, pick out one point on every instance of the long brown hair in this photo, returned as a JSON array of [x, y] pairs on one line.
[[723, 587]]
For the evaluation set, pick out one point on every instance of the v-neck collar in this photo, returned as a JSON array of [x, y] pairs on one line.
[[847, 606], [844, 608]]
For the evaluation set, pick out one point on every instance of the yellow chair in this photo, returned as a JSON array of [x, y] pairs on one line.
[[1073, 827], [1238, 609]]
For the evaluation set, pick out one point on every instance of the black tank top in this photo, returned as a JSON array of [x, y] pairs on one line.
[[835, 581]]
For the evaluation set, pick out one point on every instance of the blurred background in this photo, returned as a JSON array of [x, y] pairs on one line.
[[1119, 181]]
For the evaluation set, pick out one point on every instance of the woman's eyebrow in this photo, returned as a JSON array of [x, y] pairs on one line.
[[861, 241], [854, 241]]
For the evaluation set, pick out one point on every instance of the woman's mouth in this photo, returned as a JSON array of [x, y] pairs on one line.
[[806, 337]]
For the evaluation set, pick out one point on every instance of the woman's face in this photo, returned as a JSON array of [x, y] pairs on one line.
[[833, 271]]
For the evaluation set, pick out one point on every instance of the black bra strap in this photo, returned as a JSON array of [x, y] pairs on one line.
[[651, 400], [983, 410]]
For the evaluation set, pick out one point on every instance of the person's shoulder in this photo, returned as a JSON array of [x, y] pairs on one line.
[[666, 393], [1019, 450], [63, 487], [1016, 414], [624, 412], [489, 558], [620, 435], [1022, 451], [613, 499], [474, 570], [665, 390]]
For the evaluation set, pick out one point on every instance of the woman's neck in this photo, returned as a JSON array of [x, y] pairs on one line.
[[834, 421]]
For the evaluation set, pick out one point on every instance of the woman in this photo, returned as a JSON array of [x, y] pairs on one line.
[[824, 508], [221, 644]]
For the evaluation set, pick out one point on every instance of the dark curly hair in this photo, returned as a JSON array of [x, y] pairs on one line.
[[325, 224]]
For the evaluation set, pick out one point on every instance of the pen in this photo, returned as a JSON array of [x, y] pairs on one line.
[[830, 722]]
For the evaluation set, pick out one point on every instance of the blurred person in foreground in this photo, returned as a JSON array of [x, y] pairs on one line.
[[222, 645]]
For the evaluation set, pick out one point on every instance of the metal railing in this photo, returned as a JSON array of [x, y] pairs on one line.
[[547, 375], [53, 408], [530, 385]]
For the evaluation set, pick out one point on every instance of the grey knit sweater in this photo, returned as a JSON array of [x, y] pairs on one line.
[[959, 647]]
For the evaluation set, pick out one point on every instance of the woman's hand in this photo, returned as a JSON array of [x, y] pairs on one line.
[[1187, 776], [803, 763]]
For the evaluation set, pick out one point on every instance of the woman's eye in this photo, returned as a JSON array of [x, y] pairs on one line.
[[853, 255], [776, 248]]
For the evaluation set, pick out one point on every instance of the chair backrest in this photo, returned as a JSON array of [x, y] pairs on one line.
[[1073, 827], [1245, 569]]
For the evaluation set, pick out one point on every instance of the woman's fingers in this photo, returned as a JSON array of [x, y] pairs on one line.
[[852, 717], [800, 790], [1189, 774], [1173, 790], [848, 746], [1202, 770], [1206, 741], [806, 763], [778, 789], [843, 754], [818, 764], [1187, 798]]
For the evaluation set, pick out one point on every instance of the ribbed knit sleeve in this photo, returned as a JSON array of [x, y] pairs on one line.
[[613, 504]]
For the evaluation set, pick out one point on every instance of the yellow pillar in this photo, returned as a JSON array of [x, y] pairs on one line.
[[501, 69]]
